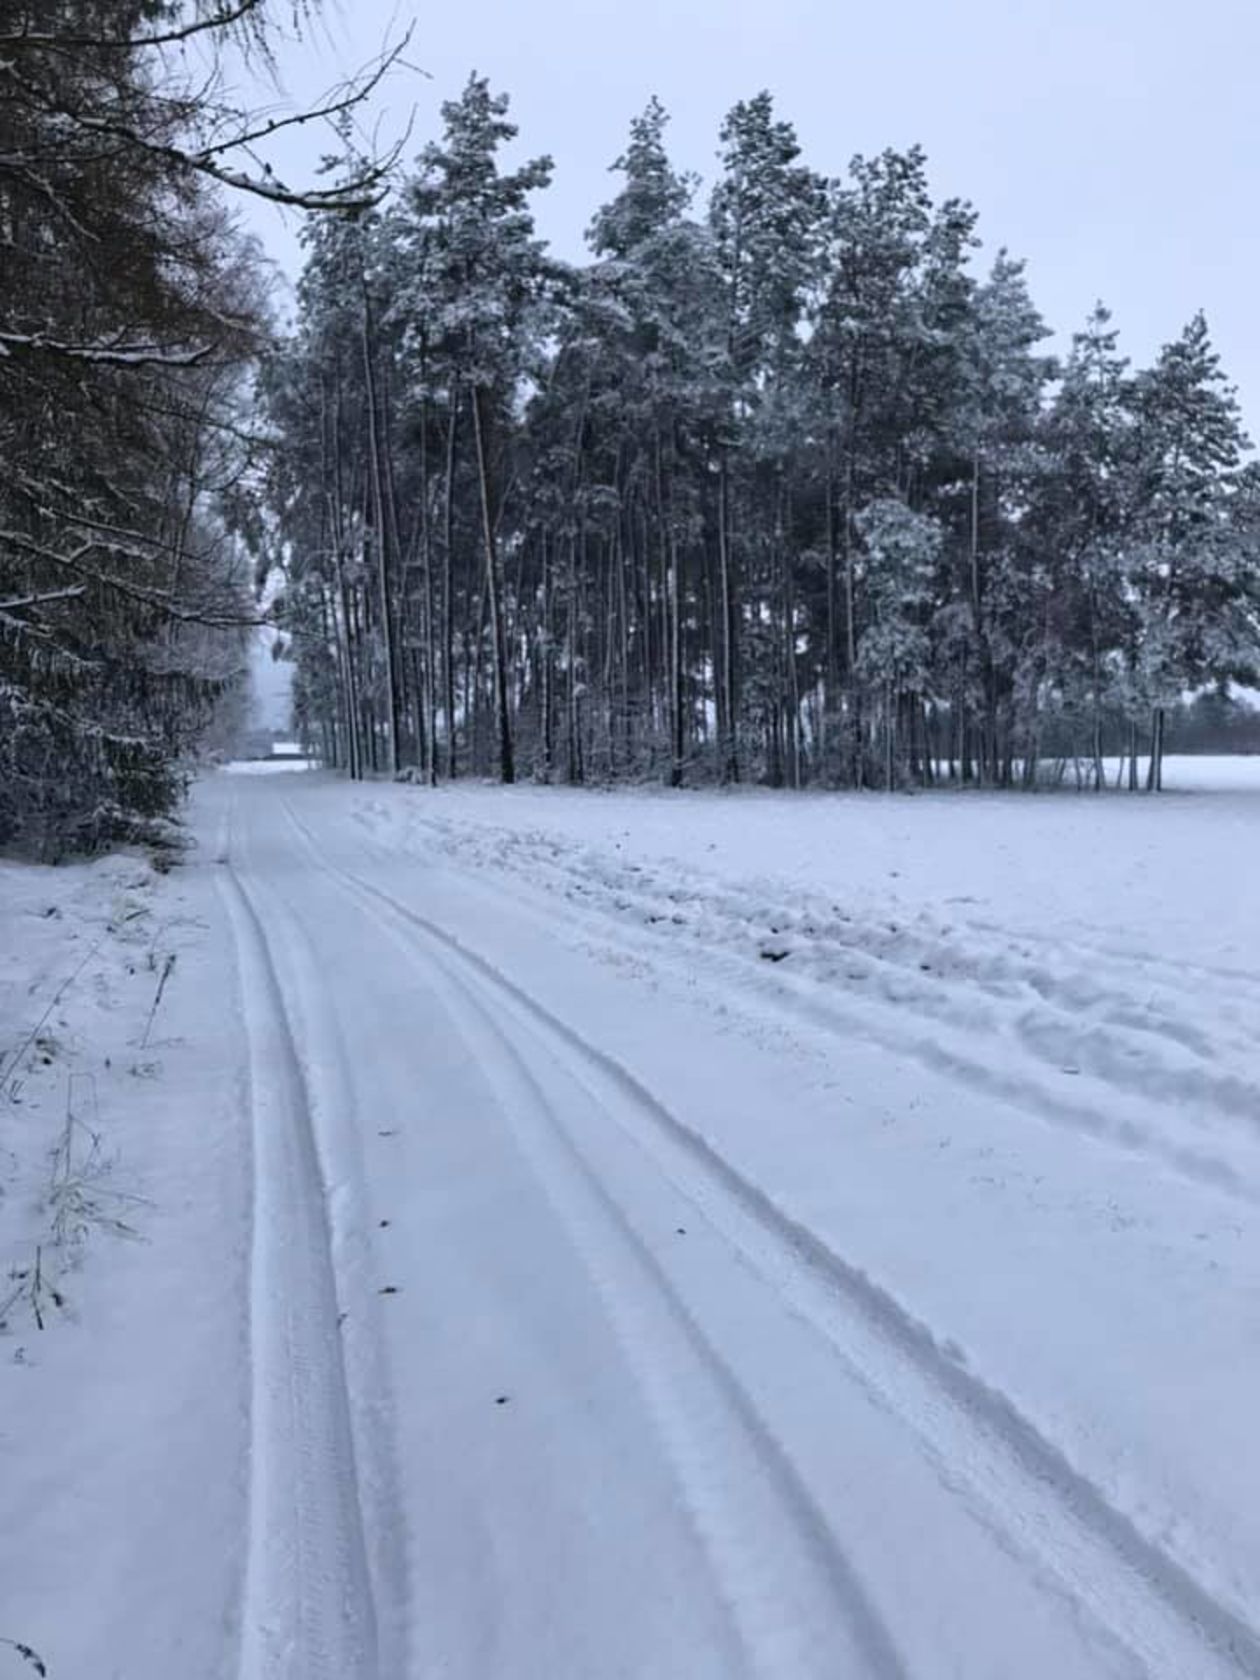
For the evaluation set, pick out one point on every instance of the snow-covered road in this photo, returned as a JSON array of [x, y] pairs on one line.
[[673, 1238], [597, 1370]]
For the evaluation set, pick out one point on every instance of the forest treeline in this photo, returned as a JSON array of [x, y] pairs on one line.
[[779, 486], [132, 314]]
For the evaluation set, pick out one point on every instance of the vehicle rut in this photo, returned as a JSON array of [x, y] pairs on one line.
[[307, 1610], [1013, 1478]]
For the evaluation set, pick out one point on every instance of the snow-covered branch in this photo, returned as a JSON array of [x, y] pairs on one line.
[[19, 603], [107, 353]]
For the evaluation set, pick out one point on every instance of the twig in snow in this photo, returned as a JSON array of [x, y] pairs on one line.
[[167, 967], [28, 1655], [32, 1286], [55, 1000]]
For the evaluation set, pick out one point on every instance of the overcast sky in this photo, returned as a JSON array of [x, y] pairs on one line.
[[1113, 143]]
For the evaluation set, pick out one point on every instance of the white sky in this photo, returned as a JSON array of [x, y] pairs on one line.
[[1113, 143]]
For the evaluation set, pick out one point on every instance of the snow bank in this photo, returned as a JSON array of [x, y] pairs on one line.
[[123, 1229]]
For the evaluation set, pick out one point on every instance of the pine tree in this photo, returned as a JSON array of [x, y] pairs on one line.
[[766, 215], [776, 492], [130, 311], [863, 325], [991, 663], [118, 329], [490, 275], [902, 550], [659, 270], [1188, 444]]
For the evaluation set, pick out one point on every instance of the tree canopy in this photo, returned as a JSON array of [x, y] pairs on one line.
[[780, 485]]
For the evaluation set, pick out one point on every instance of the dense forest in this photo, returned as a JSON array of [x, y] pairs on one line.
[[780, 486], [131, 317]]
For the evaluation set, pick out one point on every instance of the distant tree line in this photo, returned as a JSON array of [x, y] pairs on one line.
[[777, 488], [1213, 722], [130, 313]]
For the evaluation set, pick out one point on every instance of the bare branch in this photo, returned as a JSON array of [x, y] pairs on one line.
[[364, 193], [213, 617], [130, 43], [337, 101]]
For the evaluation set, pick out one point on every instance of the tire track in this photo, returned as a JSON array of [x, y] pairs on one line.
[[307, 1612], [1011, 1476], [838, 1001], [794, 1599]]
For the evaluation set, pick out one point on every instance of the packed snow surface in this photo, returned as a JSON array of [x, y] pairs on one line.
[[543, 1233]]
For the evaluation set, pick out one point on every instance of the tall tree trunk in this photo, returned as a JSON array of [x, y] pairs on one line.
[[854, 719], [831, 688], [381, 533], [573, 730], [547, 657], [791, 677], [649, 638], [623, 608], [498, 634], [426, 560], [1155, 769], [354, 762], [448, 586], [728, 706], [671, 640], [890, 736], [677, 721], [988, 727]]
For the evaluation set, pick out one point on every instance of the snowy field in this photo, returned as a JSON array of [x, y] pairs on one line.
[[1178, 881], [711, 1234]]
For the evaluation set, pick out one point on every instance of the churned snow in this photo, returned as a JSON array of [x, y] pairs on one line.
[[637, 1233]]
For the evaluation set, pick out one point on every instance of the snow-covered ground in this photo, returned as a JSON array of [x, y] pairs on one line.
[[123, 1224], [643, 1234]]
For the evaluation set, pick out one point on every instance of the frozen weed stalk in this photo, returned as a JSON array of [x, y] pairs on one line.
[[30, 1285], [79, 1197], [167, 969]]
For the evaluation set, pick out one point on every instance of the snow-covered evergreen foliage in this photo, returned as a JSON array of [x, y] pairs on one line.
[[779, 487], [129, 310]]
